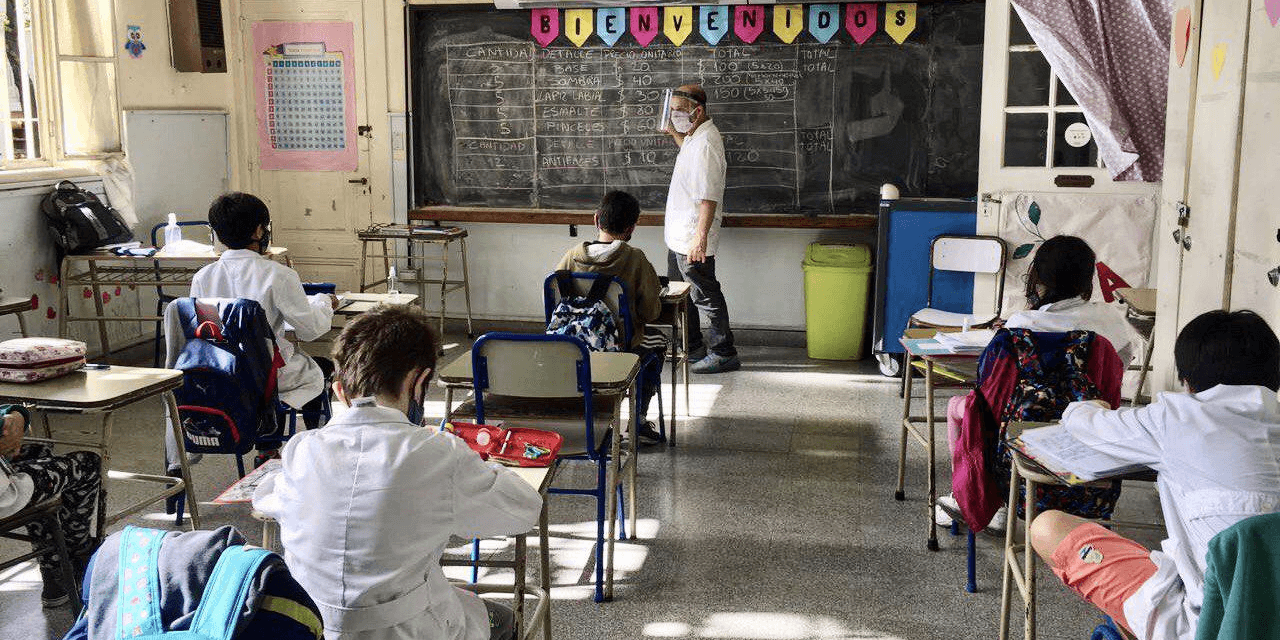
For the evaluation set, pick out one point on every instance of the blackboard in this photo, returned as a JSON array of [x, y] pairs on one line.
[[809, 128]]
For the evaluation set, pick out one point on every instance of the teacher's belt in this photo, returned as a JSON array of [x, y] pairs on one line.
[[376, 616]]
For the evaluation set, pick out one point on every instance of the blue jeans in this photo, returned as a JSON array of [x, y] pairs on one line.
[[707, 298]]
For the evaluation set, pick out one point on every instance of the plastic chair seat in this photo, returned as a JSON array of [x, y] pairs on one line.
[[937, 318]]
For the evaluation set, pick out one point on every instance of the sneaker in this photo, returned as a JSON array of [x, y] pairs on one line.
[[998, 522], [946, 510], [263, 457], [53, 594], [647, 433], [716, 364], [697, 354]]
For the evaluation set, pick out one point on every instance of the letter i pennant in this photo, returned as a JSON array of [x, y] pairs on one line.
[[899, 20], [578, 24], [546, 25], [678, 24], [788, 21]]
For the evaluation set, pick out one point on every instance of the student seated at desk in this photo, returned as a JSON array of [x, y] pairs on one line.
[[1059, 285], [1215, 448], [367, 504], [243, 223], [610, 254], [30, 474]]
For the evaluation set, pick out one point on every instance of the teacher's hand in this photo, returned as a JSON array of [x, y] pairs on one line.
[[11, 436], [698, 250]]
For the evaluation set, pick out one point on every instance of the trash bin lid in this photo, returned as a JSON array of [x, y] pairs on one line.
[[837, 255]]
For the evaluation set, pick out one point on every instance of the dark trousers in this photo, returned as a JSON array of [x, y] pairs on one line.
[[76, 477], [708, 299], [310, 411], [650, 378]]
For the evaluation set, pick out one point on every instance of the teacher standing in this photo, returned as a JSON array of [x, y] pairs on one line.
[[692, 227]]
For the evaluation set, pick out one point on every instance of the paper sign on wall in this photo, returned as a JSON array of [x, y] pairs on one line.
[[713, 22], [860, 21], [1182, 34], [578, 24], [748, 22], [1219, 59], [899, 20], [545, 25], [611, 23], [824, 21], [1273, 11], [677, 24], [788, 21], [644, 24]]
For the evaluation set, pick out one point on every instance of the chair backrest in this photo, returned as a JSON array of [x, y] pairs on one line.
[[617, 298], [969, 254], [155, 231]]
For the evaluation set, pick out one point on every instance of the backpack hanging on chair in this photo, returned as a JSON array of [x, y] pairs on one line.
[[1044, 388], [588, 317], [148, 584]]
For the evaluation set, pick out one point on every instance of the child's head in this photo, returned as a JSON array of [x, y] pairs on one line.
[[388, 352], [236, 217], [618, 214], [1227, 347], [1062, 269]]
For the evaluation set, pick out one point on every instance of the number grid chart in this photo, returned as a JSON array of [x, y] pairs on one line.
[[305, 101]]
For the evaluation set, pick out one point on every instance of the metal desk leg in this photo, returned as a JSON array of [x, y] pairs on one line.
[[64, 305], [104, 466], [900, 494], [193, 503], [364, 265], [1008, 557], [386, 259], [932, 544], [612, 480], [522, 553], [444, 283], [97, 306], [448, 404], [633, 460], [22, 325], [684, 345], [1028, 560], [1142, 374], [544, 547], [466, 285]]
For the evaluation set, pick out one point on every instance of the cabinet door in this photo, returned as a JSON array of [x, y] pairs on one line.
[[1257, 225]]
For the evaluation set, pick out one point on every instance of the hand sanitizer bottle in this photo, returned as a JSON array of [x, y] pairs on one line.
[[391, 283], [172, 232]]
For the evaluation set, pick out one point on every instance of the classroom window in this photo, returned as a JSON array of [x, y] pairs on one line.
[[1040, 112], [86, 84], [22, 136]]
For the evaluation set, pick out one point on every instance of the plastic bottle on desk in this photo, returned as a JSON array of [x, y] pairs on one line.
[[172, 232], [391, 284]]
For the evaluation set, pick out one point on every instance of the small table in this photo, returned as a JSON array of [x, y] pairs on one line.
[[613, 373], [418, 235], [101, 268], [106, 390], [962, 371], [366, 302], [675, 304], [16, 306], [1140, 311]]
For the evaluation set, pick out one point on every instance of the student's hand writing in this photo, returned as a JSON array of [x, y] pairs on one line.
[[11, 435]]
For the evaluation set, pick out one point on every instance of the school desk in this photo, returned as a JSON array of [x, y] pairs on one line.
[[1140, 311], [418, 237], [675, 304], [957, 370], [91, 272], [16, 306], [540, 479], [1019, 559], [96, 390], [366, 302], [613, 374]]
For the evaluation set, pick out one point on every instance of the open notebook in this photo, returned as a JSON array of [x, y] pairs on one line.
[[1061, 454]]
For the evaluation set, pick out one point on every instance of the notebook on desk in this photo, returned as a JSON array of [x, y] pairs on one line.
[[1057, 452]]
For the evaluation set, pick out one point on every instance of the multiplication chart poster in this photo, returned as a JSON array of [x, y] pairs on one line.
[[305, 95]]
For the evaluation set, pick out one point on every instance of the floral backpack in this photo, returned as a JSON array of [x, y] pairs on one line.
[[1048, 381]]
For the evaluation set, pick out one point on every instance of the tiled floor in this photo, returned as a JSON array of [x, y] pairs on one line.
[[772, 520]]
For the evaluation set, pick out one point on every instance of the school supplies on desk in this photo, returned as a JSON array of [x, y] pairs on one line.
[[966, 341], [1061, 454], [514, 446], [34, 359], [242, 491]]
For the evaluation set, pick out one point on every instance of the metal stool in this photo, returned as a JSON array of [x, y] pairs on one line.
[[1140, 311], [418, 261], [16, 306], [47, 513]]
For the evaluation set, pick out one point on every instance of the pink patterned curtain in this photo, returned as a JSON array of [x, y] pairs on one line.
[[1113, 56]]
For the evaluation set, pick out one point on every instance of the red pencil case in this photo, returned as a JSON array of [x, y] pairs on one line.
[[514, 446]]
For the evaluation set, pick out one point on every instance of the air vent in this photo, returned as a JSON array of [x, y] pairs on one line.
[[195, 36]]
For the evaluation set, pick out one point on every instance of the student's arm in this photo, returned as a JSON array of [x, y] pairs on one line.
[[648, 289], [1132, 435], [488, 499], [310, 316]]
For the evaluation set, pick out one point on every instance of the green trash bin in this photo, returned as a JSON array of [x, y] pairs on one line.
[[837, 284]]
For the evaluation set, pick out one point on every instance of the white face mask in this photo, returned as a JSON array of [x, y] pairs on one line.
[[681, 121]]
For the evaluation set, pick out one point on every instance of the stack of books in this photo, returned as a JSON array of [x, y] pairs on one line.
[[966, 341], [1060, 453]]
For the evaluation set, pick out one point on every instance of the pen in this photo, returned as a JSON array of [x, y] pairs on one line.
[[506, 440]]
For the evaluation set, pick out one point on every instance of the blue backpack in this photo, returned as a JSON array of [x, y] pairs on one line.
[[228, 393], [202, 585], [586, 318]]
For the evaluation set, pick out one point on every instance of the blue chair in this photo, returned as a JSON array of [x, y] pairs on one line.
[[550, 375], [163, 299], [618, 299]]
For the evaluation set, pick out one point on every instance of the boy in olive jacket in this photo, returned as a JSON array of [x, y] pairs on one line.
[[610, 254]]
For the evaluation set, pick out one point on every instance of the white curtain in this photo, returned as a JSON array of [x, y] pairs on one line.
[[1113, 56]]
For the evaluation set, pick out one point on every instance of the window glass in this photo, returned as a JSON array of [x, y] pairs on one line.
[[1064, 153], [1024, 139], [1028, 79]]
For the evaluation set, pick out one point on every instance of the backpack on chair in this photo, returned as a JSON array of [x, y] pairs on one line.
[[200, 585], [588, 317], [229, 368]]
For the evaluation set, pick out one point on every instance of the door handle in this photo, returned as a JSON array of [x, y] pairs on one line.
[[359, 181]]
